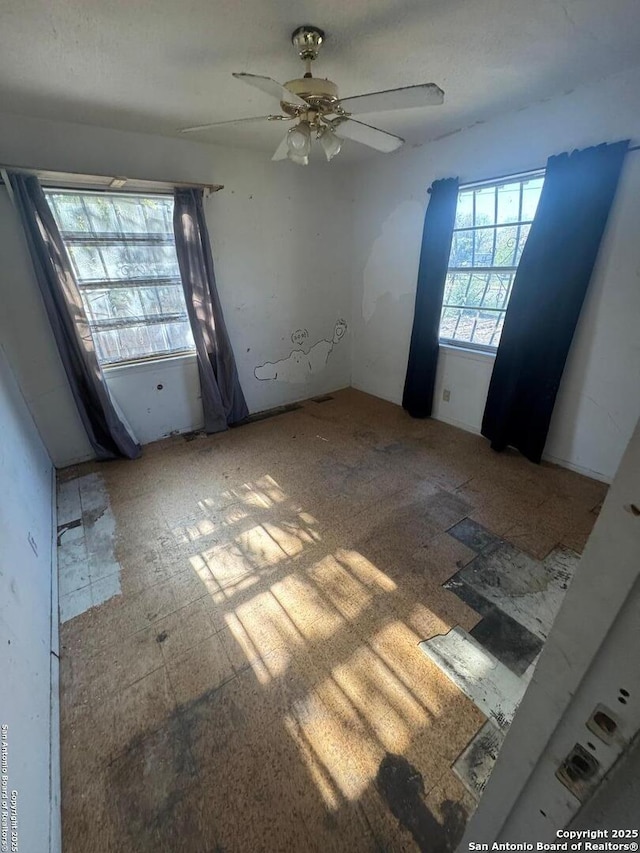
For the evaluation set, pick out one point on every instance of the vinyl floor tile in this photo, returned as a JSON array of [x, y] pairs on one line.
[[257, 684]]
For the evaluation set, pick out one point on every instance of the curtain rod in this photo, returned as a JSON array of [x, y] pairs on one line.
[[540, 169], [105, 182]]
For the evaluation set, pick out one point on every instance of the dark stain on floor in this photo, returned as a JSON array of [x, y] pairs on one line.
[[402, 788], [91, 516], [474, 536], [148, 783]]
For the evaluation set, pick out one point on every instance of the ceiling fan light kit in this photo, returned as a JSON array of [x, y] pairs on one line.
[[331, 144], [299, 143], [314, 104]]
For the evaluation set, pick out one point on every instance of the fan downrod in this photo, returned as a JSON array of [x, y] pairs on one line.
[[307, 40]]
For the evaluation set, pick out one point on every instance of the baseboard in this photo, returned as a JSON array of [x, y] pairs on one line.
[[579, 469], [76, 460], [299, 400], [555, 460], [55, 821], [364, 390], [459, 424]]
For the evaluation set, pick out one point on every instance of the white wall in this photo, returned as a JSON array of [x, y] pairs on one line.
[[300, 248], [599, 399], [27, 633], [279, 243], [159, 397]]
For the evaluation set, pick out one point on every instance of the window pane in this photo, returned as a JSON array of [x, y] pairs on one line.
[[171, 299], [455, 288], [530, 197], [495, 338], [464, 210], [522, 239], [100, 214], [485, 206], [69, 212], [116, 304], [134, 302], [491, 229], [448, 321], [506, 246], [498, 290], [180, 337], [484, 247], [97, 304], [488, 247], [120, 239], [162, 300], [508, 203], [144, 216], [466, 322], [487, 290], [484, 328], [141, 341], [470, 325], [107, 346], [461, 249], [132, 341], [106, 213], [119, 261], [476, 292]]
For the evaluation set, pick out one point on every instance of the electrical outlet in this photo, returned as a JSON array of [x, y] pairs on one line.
[[579, 772], [446, 395]]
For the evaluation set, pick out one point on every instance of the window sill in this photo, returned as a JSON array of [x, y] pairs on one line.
[[150, 364], [467, 352]]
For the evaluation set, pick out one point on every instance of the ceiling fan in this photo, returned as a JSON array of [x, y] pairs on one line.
[[314, 105]]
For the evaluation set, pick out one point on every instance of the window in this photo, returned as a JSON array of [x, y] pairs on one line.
[[491, 227], [123, 254]]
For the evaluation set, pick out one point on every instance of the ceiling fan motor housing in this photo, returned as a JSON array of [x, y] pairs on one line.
[[319, 94]]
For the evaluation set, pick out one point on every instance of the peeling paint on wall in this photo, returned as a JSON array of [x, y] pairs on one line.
[[300, 365], [388, 270]]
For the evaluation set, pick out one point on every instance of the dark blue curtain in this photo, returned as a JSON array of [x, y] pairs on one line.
[[109, 433], [432, 273], [548, 292], [223, 402]]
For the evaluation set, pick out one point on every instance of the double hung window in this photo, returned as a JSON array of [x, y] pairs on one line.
[[491, 227], [123, 254]]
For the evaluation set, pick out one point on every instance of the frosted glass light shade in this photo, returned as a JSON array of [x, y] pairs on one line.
[[331, 144], [300, 159], [299, 140]]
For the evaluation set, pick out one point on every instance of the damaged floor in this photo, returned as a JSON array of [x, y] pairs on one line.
[[518, 598], [241, 619]]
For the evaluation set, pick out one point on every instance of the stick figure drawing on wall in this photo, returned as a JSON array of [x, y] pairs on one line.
[[299, 366]]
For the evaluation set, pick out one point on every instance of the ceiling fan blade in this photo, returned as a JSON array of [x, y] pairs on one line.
[[282, 149], [423, 95], [271, 87], [232, 121], [367, 135]]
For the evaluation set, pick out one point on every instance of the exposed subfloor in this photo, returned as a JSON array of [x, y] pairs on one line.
[[241, 620]]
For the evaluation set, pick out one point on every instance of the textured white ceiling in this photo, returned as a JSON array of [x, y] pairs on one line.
[[159, 65]]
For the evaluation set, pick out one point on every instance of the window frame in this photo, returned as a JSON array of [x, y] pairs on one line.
[[76, 238], [521, 178]]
